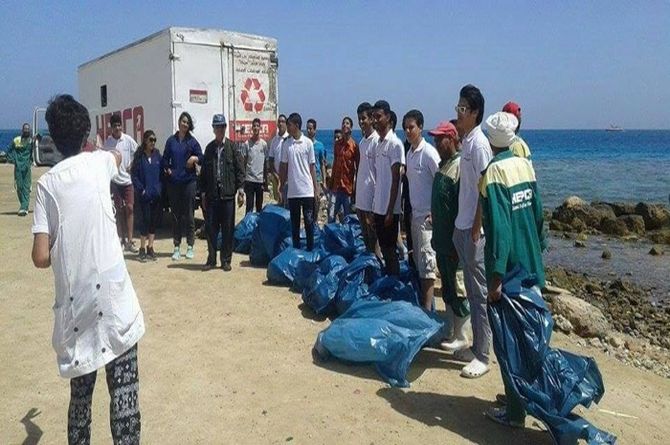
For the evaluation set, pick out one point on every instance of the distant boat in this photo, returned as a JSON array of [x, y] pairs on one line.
[[613, 127]]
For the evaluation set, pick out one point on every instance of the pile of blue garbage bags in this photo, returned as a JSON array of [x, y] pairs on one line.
[[377, 319]]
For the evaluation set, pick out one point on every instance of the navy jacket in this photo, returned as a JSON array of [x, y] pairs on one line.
[[176, 154], [146, 175]]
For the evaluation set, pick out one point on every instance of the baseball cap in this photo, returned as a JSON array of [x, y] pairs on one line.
[[512, 108], [444, 128], [219, 120]]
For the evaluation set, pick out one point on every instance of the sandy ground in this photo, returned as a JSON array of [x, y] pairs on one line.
[[226, 359]]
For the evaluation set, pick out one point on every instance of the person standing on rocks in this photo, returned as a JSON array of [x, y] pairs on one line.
[[514, 228], [518, 145], [468, 239]]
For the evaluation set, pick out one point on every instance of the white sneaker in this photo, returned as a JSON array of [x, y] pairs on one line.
[[454, 345], [474, 369], [176, 255]]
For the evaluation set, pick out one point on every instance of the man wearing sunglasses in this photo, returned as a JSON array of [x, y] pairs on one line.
[[468, 240], [122, 184]]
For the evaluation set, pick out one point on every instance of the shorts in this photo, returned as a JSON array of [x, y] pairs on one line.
[[424, 255], [123, 195]]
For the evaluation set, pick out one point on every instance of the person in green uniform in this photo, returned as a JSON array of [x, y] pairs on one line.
[[20, 153], [519, 147], [514, 228], [444, 208]]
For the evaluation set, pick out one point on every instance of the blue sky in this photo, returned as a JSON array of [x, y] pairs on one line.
[[570, 64]]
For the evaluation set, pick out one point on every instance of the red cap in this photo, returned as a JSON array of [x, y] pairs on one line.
[[444, 128], [513, 108]]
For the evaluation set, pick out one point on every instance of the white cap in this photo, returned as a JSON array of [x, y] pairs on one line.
[[500, 128]]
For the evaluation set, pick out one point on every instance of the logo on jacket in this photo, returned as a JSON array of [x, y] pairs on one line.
[[522, 199]]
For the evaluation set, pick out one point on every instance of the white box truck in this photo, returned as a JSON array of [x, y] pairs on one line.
[[203, 71]]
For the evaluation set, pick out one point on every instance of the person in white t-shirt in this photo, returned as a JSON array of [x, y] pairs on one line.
[[423, 162], [97, 316], [365, 176], [274, 157], [389, 163], [468, 238], [298, 171], [122, 184]]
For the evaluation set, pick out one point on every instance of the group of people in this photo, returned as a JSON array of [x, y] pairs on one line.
[[473, 198]]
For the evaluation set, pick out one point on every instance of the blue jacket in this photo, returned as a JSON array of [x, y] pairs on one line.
[[146, 176], [176, 154]]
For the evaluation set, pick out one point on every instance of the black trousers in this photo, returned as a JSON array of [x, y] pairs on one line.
[[124, 407], [254, 194], [306, 205], [182, 202], [220, 219], [388, 237], [150, 214]]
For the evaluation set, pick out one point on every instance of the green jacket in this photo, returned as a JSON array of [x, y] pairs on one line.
[[20, 152], [444, 204], [512, 217]]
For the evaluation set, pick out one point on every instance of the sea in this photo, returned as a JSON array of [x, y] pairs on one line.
[[596, 165]]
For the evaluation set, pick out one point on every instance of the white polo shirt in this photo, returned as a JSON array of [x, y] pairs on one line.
[[126, 146], [275, 149], [475, 156], [365, 176], [422, 164], [389, 151], [97, 316], [299, 155]]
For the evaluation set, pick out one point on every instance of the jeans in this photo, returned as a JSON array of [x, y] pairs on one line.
[[472, 258], [388, 237], [124, 408], [150, 214], [220, 219], [306, 205], [340, 200], [182, 201], [253, 192]]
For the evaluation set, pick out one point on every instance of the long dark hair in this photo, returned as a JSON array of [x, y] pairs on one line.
[[140, 151]]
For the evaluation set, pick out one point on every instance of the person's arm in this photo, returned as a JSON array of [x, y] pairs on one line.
[[395, 185], [476, 230], [324, 168], [197, 157], [135, 177], [265, 164], [357, 160], [41, 253], [312, 171], [167, 159], [539, 219], [11, 151], [283, 173], [240, 173], [496, 208], [481, 157]]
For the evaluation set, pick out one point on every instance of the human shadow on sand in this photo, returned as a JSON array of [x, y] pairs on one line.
[[462, 415], [33, 431]]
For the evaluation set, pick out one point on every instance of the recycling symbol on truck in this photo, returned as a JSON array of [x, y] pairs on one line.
[[252, 95]]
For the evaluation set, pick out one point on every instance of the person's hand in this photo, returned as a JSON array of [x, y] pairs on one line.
[[453, 255], [388, 220], [190, 163], [240, 198], [168, 171], [495, 290], [429, 219], [476, 233]]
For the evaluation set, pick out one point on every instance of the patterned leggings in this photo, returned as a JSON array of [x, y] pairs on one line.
[[124, 408]]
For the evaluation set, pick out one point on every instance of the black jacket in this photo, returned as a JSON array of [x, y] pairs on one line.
[[233, 172]]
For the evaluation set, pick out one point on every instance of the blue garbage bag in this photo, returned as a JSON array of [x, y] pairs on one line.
[[243, 232], [387, 334], [549, 382], [322, 285], [391, 288], [282, 269], [354, 280], [273, 225], [343, 239], [318, 240]]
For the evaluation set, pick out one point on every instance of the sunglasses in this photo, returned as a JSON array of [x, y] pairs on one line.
[[152, 139], [460, 109]]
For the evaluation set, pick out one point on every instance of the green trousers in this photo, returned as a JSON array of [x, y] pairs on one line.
[[515, 411], [22, 181], [448, 266]]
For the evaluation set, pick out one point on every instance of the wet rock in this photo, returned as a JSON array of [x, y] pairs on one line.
[[619, 285], [557, 225], [582, 237], [579, 243], [634, 223], [563, 324], [586, 319], [613, 226], [660, 237], [606, 255], [655, 216], [577, 212], [656, 250]]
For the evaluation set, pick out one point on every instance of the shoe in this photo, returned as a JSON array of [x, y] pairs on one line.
[[143, 255], [176, 255], [189, 253], [22, 212], [464, 355], [460, 340], [130, 247], [499, 415], [501, 399], [226, 267], [208, 266], [474, 369], [151, 254]]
